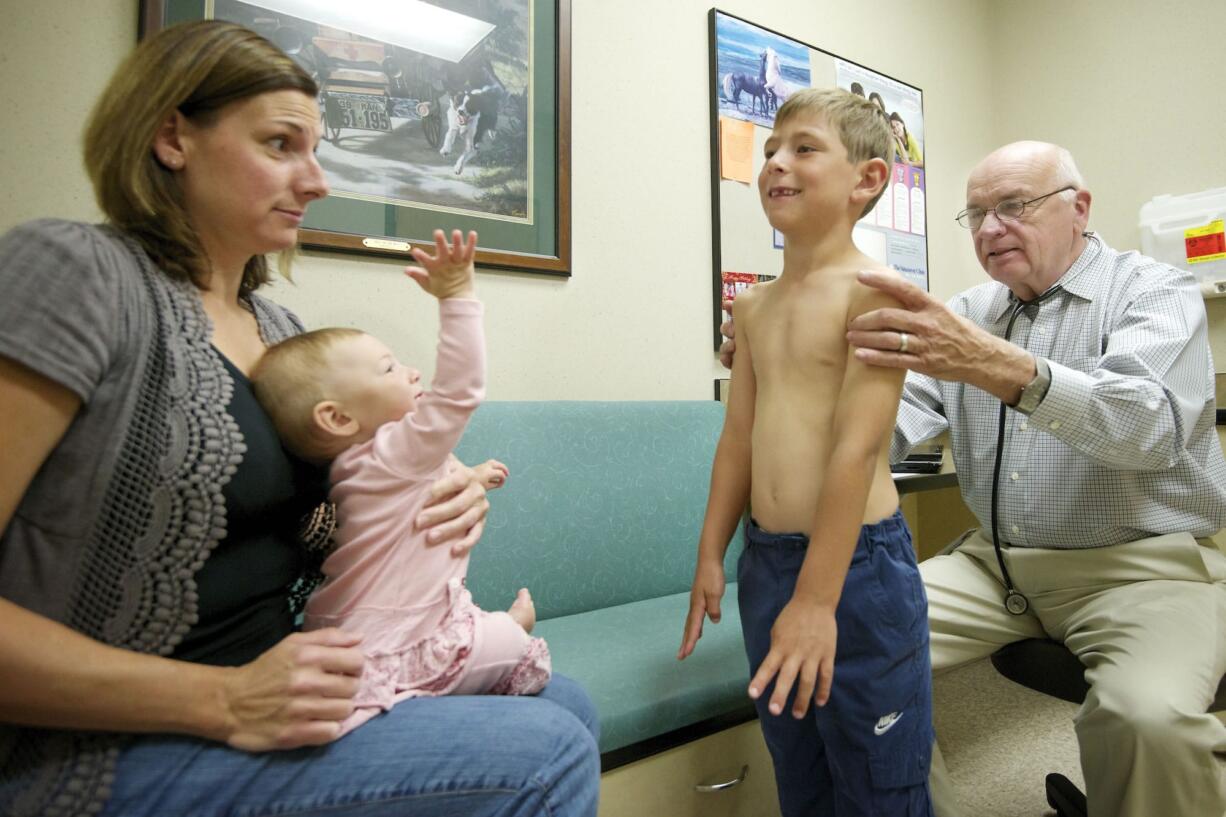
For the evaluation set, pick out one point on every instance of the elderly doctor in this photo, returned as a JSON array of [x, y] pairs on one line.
[[1078, 390]]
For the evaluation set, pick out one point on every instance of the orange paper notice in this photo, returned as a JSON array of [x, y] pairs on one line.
[[736, 150]]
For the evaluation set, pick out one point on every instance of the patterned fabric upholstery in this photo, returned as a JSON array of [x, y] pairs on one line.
[[604, 504], [626, 658], [600, 520]]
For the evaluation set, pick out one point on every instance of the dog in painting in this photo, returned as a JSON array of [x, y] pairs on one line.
[[472, 115]]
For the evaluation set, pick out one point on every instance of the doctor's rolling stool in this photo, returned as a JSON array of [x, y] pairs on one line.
[[1047, 666]]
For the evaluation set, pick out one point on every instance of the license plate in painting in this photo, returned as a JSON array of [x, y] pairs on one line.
[[362, 112]]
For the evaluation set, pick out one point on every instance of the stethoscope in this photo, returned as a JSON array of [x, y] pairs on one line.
[[1015, 602]]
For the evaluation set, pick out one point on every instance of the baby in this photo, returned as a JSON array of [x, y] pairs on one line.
[[340, 395]]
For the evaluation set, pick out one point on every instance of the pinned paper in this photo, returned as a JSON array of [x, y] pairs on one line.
[[737, 282], [735, 150]]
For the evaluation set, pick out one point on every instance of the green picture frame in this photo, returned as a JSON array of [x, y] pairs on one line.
[[390, 91]]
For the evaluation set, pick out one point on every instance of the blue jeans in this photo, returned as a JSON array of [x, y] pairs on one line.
[[455, 756], [866, 752]]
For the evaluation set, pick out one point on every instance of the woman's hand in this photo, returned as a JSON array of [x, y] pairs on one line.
[[456, 510], [900, 148], [296, 694], [727, 349]]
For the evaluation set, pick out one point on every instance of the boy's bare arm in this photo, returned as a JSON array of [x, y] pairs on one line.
[[730, 472], [804, 635], [729, 493]]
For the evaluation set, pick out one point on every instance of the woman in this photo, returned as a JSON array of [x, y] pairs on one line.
[[906, 149], [150, 565]]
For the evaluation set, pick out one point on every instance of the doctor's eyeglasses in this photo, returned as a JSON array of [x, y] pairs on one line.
[[1008, 210]]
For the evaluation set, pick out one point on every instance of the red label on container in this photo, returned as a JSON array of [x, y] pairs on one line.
[[1207, 243], [1203, 245]]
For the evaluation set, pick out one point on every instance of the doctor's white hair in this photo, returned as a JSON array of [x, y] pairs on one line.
[[1066, 170]]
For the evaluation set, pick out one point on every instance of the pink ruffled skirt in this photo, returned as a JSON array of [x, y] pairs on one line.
[[471, 652]]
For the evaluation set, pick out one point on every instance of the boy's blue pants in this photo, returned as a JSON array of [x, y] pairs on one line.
[[866, 752]]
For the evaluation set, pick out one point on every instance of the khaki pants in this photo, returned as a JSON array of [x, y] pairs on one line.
[[1148, 621]]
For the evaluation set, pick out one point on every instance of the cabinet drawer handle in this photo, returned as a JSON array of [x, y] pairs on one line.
[[727, 784]]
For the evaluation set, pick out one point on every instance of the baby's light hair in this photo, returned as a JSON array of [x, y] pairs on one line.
[[861, 125], [289, 381]]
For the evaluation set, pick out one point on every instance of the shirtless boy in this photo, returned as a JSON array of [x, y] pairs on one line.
[[828, 576]]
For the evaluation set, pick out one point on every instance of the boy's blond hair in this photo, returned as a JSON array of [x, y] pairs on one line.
[[289, 383], [861, 126]]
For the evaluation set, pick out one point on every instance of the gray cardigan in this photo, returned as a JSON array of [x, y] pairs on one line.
[[114, 526]]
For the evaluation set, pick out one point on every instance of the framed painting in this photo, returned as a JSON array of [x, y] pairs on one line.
[[448, 113], [753, 70]]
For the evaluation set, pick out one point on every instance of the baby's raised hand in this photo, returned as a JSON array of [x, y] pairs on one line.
[[492, 474], [449, 272]]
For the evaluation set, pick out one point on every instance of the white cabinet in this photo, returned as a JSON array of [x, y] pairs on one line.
[[665, 785]]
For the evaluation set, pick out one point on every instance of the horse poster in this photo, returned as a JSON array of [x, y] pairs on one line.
[[757, 70]]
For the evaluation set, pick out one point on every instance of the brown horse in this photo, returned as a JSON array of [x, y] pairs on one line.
[[735, 83]]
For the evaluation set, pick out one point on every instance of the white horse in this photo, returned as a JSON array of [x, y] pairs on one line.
[[779, 87]]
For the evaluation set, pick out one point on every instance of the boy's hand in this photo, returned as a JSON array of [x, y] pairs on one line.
[[449, 272], [802, 652], [708, 589], [492, 474]]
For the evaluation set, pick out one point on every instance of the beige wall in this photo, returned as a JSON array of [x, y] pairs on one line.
[[1134, 88], [634, 321], [55, 58]]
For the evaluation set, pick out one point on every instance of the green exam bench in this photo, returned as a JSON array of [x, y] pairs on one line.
[[600, 520]]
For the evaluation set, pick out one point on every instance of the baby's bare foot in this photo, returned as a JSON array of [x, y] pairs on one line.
[[523, 610]]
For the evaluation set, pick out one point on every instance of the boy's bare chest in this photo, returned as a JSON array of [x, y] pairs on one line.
[[792, 336]]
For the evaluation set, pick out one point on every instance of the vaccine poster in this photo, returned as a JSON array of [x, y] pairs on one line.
[[894, 232]]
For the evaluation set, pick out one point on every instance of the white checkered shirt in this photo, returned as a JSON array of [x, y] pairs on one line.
[[1123, 445]]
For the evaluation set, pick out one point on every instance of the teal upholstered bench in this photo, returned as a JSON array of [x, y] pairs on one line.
[[600, 520]]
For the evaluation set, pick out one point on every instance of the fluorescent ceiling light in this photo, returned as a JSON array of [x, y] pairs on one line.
[[411, 24]]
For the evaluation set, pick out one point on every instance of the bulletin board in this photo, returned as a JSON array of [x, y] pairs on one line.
[[753, 70]]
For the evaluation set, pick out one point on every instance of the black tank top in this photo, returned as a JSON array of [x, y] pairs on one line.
[[243, 587]]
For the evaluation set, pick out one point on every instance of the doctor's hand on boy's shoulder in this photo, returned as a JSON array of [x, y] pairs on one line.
[[705, 595], [803, 640]]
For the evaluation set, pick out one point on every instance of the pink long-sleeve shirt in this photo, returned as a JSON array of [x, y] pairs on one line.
[[383, 580]]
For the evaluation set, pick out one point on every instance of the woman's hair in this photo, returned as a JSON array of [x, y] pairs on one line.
[[289, 382], [197, 69], [896, 117], [876, 99], [862, 129]]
